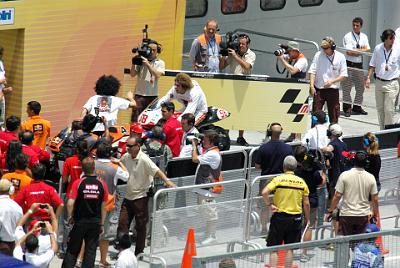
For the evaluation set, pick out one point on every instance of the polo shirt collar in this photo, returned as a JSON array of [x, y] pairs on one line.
[[36, 117]]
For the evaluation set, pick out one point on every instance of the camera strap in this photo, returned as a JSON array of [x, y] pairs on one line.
[[279, 71]]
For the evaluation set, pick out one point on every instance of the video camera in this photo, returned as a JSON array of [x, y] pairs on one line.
[[194, 136], [144, 50], [282, 50], [317, 160], [231, 40]]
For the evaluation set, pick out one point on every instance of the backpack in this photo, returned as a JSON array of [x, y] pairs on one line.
[[68, 147], [367, 255]]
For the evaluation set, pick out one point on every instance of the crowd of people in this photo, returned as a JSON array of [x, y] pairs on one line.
[[90, 171]]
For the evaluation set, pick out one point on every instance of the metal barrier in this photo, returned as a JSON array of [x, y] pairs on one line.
[[170, 223], [319, 255]]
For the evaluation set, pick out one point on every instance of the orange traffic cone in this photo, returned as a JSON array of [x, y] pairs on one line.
[[378, 240], [281, 260], [190, 250]]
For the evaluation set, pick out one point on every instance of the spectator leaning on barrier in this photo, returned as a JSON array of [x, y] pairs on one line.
[[208, 171], [385, 64], [39, 126], [10, 213], [327, 69], [371, 146], [240, 62], [148, 73], [172, 128], [39, 192], [354, 40], [141, 170], [291, 195], [86, 208], [110, 170], [204, 52], [354, 187], [269, 158]]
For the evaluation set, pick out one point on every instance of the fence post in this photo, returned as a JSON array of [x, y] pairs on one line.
[[342, 254]]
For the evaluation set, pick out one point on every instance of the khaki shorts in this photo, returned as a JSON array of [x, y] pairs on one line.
[[208, 208]]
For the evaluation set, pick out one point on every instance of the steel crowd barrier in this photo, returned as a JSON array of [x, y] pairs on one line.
[[318, 251]]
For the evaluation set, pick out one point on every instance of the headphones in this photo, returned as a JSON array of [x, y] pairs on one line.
[[329, 132], [387, 33], [314, 119], [245, 36], [7, 183], [269, 128], [367, 142], [331, 42], [363, 155], [157, 44]]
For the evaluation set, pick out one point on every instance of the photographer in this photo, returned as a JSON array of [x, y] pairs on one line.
[[240, 61], [294, 61], [191, 131], [106, 103], [148, 73]]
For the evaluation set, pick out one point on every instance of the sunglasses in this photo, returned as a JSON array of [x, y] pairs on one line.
[[130, 145]]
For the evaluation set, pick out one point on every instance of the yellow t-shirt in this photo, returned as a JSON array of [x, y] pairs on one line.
[[289, 191], [40, 128]]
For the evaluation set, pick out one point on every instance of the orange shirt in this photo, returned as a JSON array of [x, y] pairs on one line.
[[40, 128], [19, 179]]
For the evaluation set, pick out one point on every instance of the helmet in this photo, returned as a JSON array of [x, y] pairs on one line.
[[136, 128]]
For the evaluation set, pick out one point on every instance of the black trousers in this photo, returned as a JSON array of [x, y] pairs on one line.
[[79, 233]]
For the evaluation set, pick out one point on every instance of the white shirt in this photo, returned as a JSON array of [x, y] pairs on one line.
[[301, 64], [10, 213], [194, 100], [39, 260], [186, 149], [147, 84], [316, 137], [235, 68], [2, 74], [379, 62], [325, 70], [108, 107], [213, 159], [350, 41], [44, 240], [127, 259]]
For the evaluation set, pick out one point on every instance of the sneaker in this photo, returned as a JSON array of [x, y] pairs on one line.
[[304, 258], [347, 114], [359, 111], [208, 241], [242, 141]]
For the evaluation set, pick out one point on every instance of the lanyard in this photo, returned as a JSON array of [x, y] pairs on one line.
[[212, 45], [388, 56], [357, 41], [331, 60]]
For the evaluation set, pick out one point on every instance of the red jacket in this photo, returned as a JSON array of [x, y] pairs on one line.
[[173, 132]]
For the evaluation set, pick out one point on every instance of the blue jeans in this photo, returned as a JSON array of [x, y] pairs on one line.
[[322, 196]]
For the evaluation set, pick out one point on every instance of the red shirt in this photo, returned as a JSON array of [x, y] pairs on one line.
[[5, 138], [72, 168], [38, 192], [33, 158], [42, 155], [173, 132]]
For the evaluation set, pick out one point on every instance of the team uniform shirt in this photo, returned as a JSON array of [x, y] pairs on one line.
[[173, 132], [147, 84], [73, 169], [356, 185], [141, 173], [19, 179], [382, 58], [316, 137], [89, 194], [186, 149], [289, 191], [110, 173], [10, 213], [108, 107], [38, 192], [235, 68], [351, 40], [127, 259], [5, 138], [33, 157], [328, 68], [40, 128], [38, 260], [194, 100], [42, 155]]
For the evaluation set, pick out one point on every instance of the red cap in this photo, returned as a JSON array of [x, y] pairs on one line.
[[136, 128]]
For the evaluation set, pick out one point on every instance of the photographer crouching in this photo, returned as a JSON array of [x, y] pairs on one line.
[[294, 61], [240, 60]]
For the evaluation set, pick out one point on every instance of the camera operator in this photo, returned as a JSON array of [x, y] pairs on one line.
[[148, 73], [155, 144], [294, 61], [106, 103], [314, 178], [190, 131], [240, 61]]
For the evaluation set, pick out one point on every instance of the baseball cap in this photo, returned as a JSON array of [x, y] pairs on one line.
[[336, 130], [136, 128], [293, 45], [327, 42], [5, 185], [371, 228]]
